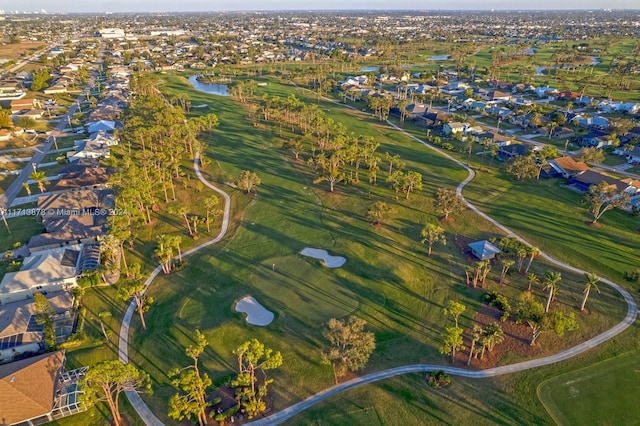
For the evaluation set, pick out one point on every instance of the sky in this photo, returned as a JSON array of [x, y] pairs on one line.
[[83, 6]]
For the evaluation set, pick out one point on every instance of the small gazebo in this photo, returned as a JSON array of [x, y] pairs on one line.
[[484, 250]]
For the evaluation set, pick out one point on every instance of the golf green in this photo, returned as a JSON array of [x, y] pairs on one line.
[[304, 289], [601, 394]]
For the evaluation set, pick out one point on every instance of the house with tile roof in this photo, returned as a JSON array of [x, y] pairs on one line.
[[37, 390]]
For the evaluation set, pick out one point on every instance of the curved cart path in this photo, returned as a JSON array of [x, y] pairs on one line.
[[632, 312], [123, 348], [629, 319]]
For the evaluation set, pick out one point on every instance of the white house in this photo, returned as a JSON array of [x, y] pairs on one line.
[[45, 271], [96, 146], [455, 127], [544, 91], [101, 125]]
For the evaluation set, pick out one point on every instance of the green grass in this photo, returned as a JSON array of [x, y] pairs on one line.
[[93, 348], [577, 397], [552, 217], [614, 160], [387, 279], [22, 228], [303, 290]]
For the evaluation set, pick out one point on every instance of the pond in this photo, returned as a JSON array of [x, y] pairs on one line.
[[211, 88], [369, 69]]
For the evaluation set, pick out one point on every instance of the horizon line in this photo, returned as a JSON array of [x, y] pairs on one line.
[[40, 12]]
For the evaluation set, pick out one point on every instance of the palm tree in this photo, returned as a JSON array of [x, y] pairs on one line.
[[506, 265], [533, 252], [40, 177], [493, 335], [592, 280], [551, 280], [182, 211], [531, 279], [26, 187], [475, 336], [103, 316], [3, 212], [209, 204]]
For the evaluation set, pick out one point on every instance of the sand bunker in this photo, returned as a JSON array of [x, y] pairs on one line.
[[329, 261], [256, 313]]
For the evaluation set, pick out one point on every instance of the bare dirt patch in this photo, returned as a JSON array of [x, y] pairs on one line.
[[516, 341], [13, 51]]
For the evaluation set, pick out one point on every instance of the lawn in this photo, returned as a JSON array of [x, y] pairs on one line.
[[22, 228], [387, 278], [93, 348], [577, 397], [614, 160], [22, 141], [546, 213]]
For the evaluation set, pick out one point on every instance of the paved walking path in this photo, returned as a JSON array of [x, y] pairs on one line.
[[287, 413], [123, 348]]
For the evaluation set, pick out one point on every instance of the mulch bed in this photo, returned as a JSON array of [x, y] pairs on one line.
[[516, 341]]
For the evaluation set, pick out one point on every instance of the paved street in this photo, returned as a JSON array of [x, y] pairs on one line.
[[6, 199]]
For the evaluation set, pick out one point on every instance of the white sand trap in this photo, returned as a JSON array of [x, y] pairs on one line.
[[329, 261], [200, 106], [256, 313]]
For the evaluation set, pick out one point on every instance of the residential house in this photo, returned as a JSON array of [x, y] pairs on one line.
[[568, 167], [567, 95], [633, 156], [11, 89], [504, 85], [514, 150], [596, 121], [96, 146], [47, 271], [484, 250], [102, 125], [56, 88], [545, 91], [21, 335], [416, 109], [502, 112], [493, 137], [431, 118], [633, 190], [19, 105], [497, 95], [595, 138], [37, 390], [455, 128], [85, 178], [477, 106], [72, 217], [584, 180]]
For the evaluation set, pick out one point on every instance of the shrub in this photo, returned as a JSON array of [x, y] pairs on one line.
[[438, 379], [499, 301], [633, 276], [448, 146], [225, 415]]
